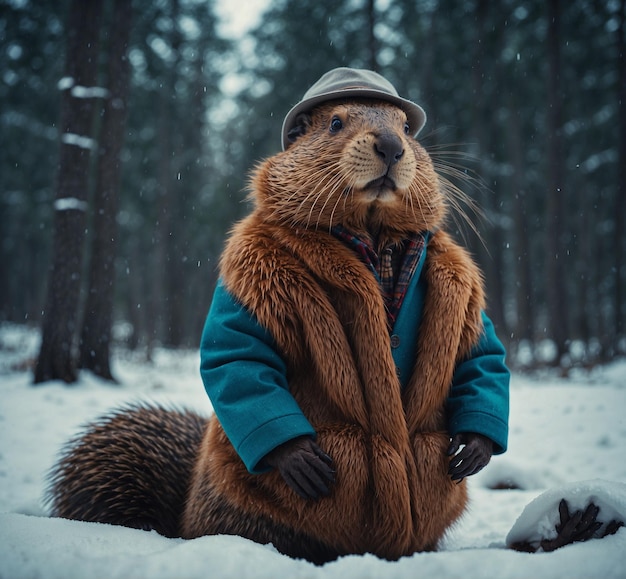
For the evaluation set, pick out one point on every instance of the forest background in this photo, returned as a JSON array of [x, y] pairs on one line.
[[128, 130]]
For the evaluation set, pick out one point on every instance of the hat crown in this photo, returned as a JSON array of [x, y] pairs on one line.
[[344, 78], [342, 83]]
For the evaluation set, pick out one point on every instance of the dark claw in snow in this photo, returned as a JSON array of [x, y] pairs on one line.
[[612, 528], [573, 527]]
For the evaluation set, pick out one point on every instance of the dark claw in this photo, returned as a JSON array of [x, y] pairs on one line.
[[589, 517], [563, 515], [612, 528], [523, 547]]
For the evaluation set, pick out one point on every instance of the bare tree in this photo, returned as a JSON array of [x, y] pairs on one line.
[[56, 359], [620, 200], [490, 257], [524, 329], [555, 207], [162, 321], [95, 337], [372, 61]]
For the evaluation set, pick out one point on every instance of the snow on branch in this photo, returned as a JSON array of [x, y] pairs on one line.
[[78, 141], [82, 92], [65, 83], [89, 92], [68, 203]]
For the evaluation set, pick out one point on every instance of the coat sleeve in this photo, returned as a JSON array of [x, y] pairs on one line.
[[245, 379], [479, 396]]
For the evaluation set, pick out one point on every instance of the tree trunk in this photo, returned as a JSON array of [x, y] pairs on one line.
[[94, 346], [556, 293], [373, 45], [56, 356], [523, 239], [490, 257], [135, 306], [620, 202], [584, 312], [426, 69], [173, 207]]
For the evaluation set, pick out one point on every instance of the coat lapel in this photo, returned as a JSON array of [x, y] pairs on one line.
[[451, 324]]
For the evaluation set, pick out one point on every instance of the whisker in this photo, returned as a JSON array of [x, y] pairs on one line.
[[322, 185], [324, 176], [422, 198], [458, 199], [344, 194], [452, 166], [333, 190]]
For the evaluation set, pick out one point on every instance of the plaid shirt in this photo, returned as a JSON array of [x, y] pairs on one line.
[[393, 265]]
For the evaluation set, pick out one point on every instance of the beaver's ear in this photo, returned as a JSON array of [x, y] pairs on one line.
[[302, 123]]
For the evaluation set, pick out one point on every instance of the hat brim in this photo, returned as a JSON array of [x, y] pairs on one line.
[[416, 116]]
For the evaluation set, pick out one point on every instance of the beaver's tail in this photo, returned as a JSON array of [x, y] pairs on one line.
[[131, 467]]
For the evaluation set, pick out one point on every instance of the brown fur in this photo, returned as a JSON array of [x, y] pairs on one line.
[[131, 467], [323, 307]]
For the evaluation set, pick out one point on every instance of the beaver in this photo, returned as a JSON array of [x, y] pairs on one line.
[[355, 377]]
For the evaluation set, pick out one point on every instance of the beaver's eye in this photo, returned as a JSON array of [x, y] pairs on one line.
[[406, 128], [335, 125]]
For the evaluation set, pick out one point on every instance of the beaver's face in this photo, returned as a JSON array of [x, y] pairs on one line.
[[352, 164]]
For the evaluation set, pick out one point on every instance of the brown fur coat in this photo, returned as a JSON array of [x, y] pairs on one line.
[[393, 495]]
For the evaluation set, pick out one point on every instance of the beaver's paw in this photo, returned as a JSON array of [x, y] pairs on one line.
[[575, 527], [472, 458], [304, 466]]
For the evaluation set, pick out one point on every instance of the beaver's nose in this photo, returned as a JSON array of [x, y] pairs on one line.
[[389, 148]]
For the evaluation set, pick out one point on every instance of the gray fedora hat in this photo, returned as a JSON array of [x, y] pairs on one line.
[[343, 82]]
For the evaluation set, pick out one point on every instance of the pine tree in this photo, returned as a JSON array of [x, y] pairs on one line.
[[95, 336], [555, 206], [56, 357]]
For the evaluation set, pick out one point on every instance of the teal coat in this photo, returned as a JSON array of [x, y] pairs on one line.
[[246, 378]]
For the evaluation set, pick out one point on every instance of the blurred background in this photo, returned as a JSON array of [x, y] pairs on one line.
[[127, 131]]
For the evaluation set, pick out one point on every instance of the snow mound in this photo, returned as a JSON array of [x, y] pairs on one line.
[[539, 518]]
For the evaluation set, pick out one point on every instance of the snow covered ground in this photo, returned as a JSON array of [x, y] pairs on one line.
[[565, 436]]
